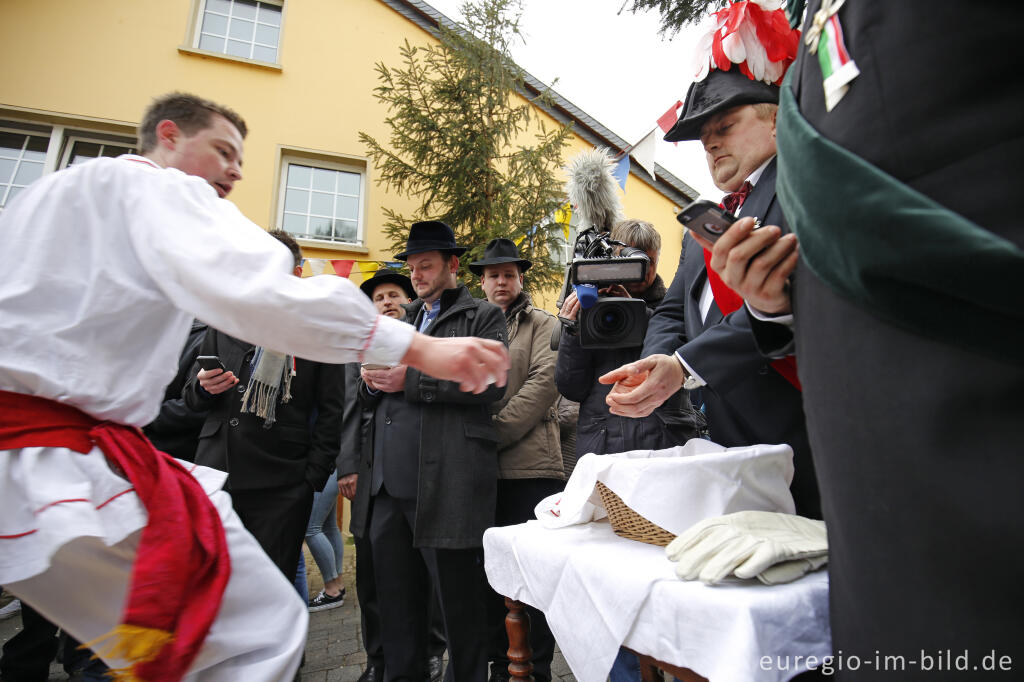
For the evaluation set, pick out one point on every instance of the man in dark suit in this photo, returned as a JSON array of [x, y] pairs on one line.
[[275, 460], [700, 337], [434, 474], [910, 352], [390, 292]]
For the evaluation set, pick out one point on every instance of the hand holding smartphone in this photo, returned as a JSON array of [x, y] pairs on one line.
[[706, 218], [209, 362]]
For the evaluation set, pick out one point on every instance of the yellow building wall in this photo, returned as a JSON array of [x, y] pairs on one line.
[[106, 59]]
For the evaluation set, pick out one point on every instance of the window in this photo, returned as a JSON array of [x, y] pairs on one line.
[[322, 203], [250, 29], [22, 160], [29, 151], [322, 200], [79, 149]]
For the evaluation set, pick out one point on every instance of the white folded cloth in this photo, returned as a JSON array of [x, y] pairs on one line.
[[676, 487]]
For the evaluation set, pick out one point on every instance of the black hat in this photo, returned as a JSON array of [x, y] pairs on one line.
[[500, 250], [430, 235], [719, 91], [388, 276]]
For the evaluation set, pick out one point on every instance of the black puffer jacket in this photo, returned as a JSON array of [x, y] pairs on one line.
[[576, 373]]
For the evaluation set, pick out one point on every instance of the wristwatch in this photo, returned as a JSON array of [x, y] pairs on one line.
[[690, 382]]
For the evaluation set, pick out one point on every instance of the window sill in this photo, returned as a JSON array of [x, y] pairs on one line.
[[229, 58], [332, 246]]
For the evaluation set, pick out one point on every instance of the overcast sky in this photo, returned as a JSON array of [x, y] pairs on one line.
[[613, 66]]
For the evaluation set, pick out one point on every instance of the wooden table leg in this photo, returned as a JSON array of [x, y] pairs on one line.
[[520, 657]]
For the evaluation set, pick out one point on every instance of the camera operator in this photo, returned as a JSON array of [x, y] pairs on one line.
[[578, 368]]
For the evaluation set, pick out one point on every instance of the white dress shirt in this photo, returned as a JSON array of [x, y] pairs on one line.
[[104, 266]]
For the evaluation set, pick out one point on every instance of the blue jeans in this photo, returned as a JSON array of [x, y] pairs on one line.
[[300, 578], [322, 535], [626, 668]]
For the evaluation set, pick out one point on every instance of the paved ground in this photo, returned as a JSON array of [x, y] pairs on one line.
[[334, 649]]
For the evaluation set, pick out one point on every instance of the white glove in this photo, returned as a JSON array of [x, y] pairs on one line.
[[774, 547]]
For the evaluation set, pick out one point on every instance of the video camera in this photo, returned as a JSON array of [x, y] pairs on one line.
[[604, 321]]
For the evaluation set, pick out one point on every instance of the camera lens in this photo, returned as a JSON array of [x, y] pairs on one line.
[[610, 321], [613, 323]]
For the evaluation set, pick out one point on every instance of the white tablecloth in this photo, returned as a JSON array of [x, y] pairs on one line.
[[599, 591]]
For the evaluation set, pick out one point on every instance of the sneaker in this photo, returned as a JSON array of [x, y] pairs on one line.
[[324, 601], [12, 609]]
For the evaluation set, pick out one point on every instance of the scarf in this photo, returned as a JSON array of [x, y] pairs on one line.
[[182, 565], [271, 375], [512, 314]]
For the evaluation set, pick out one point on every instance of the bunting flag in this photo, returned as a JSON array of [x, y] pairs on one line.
[[342, 268], [621, 171], [643, 152], [563, 216], [357, 271], [669, 118]]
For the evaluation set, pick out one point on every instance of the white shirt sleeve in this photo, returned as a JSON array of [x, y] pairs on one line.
[[212, 261], [689, 370], [784, 319]]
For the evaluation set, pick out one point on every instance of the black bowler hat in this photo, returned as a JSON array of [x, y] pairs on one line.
[[500, 250], [430, 235], [719, 91], [388, 276]]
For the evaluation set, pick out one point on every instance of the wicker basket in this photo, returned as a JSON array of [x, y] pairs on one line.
[[628, 524]]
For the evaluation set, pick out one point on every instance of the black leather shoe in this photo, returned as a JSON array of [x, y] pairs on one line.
[[371, 674], [435, 664]]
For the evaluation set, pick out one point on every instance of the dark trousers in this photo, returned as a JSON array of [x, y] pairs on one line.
[[405, 576], [515, 504], [369, 611], [277, 518], [27, 655]]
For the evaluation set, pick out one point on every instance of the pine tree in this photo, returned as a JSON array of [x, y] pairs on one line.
[[676, 13], [459, 142]]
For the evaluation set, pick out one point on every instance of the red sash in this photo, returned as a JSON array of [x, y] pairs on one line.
[[727, 301], [182, 565]]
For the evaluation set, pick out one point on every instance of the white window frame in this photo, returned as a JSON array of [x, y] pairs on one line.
[[29, 131], [71, 137], [326, 161], [61, 139], [195, 33]]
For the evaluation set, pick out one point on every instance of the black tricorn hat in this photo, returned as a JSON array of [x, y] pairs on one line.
[[388, 276], [500, 250], [719, 91], [430, 235]]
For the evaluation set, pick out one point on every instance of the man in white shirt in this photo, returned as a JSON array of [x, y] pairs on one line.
[[84, 356]]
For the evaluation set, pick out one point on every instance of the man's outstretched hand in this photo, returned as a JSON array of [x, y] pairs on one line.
[[644, 385], [472, 362], [756, 264]]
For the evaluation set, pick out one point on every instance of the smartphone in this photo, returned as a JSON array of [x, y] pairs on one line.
[[209, 362], [370, 365], [706, 218]]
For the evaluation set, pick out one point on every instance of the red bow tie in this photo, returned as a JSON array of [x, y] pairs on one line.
[[732, 201]]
